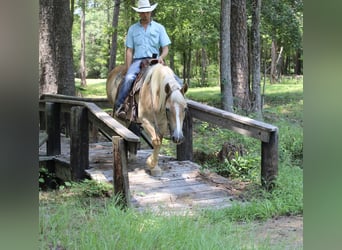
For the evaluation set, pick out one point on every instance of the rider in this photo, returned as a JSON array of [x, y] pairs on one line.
[[144, 40]]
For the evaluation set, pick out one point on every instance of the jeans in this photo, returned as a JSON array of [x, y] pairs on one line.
[[126, 86], [130, 77]]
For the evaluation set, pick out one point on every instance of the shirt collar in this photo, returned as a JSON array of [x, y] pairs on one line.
[[150, 23]]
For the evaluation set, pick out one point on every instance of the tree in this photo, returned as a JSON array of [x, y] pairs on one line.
[[47, 58], [239, 55], [83, 51], [225, 66], [55, 48], [256, 53], [113, 47], [282, 26]]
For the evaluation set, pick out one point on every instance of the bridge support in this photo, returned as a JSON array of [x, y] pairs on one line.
[[79, 142], [53, 144], [269, 161], [120, 174], [185, 149]]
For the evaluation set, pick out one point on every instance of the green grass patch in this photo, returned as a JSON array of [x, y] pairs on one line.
[[94, 88], [68, 222], [285, 199]]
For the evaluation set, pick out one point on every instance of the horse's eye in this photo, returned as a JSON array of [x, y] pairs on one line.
[[186, 109], [167, 110]]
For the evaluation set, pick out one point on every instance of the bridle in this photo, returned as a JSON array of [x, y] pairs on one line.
[[167, 111]]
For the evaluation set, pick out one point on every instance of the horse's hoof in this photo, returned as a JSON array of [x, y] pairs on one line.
[[156, 171], [150, 162]]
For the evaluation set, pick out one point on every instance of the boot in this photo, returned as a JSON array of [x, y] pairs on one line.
[[120, 112]]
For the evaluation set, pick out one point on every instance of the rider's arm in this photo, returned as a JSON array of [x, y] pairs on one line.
[[129, 57], [165, 51]]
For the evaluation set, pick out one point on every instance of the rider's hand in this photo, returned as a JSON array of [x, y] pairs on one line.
[[161, 60]]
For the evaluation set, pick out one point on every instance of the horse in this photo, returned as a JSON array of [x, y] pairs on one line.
[[161, 105]]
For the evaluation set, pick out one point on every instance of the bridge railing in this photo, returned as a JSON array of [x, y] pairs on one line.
[[80, 113], [90, 110], [266, 133]]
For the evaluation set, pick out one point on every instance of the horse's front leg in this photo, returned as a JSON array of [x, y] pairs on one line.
[[152, 160]]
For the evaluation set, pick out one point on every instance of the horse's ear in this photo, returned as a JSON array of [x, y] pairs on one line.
[[167, 89], [184, 88]]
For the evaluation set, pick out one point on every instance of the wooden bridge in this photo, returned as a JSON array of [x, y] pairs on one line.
[[182, 187]]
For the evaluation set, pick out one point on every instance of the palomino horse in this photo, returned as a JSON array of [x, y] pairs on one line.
[[161, 105]]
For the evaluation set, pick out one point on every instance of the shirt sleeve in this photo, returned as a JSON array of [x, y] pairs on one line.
[[164, 38], [129, 38]]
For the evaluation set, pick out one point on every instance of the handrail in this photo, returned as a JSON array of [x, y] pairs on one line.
[[240, 124], [266, 133], [106, 123]]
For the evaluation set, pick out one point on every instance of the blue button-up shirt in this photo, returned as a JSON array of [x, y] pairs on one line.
[[146, 42]]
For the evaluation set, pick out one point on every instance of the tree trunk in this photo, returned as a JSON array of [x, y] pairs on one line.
[[112, 60], [65, 64], [187, 64], [83, 58], [256, 64], [72, 9], [273, 73], [47, 49], [239, 55], [203, 66], [184, 66], [276, 62], [298, 67], [225, 70], [55, 48], [172, 59]]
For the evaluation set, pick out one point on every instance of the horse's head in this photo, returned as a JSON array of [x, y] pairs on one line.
[[175, 111]]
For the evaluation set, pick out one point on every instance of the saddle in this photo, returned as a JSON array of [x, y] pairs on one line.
[[130, 103]]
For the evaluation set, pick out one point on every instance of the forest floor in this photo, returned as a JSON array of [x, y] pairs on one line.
[[284, 232]]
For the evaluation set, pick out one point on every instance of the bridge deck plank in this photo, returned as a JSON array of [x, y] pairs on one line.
[[182, 188]]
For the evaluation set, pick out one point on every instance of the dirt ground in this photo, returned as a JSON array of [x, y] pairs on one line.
[[285, 232]]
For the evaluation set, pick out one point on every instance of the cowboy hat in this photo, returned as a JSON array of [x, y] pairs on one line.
[[145, 6]]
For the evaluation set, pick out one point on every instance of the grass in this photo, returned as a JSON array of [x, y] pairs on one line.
[[85, 216], [94, 88], [71, 221]]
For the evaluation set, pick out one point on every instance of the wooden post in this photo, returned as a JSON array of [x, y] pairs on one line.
[[66, 120], [120, 174], [185, 149], [42, 120], [79, 142], [53, 144], [269, 161]]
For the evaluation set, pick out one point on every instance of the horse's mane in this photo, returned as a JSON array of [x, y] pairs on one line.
[[158, 76]]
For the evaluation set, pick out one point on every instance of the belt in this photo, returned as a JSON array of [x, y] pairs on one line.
[[147, 57], [141, 58]]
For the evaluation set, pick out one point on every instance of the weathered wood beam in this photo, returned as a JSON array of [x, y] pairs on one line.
[[269, 161], [53, 128], [120, 174], [53, 144], [185, 149], [79, 142], [99, 101], [240, 124]]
